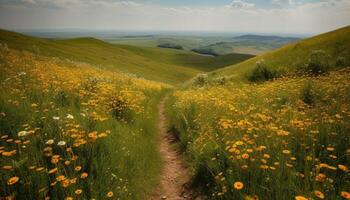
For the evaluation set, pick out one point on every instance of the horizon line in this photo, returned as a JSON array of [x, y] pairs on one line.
[[154, 31]]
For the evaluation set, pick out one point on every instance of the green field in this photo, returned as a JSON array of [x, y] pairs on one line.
[[79, 119], [286, 138], [164, 65]]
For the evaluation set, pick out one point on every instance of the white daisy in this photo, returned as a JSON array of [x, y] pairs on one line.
[[69, 116], [49, 142], [22, 133], [56, 118], [61, 143]]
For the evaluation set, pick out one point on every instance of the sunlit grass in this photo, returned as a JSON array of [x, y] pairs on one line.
[[268, 141], [72, 131]]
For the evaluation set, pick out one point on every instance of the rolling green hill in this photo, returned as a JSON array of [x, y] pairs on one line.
[[290, 57], [158, 64], [215, 45]]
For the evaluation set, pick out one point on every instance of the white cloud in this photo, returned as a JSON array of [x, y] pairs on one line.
[[240, 16]]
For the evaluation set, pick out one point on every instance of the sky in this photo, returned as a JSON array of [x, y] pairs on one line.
[[254, 16]]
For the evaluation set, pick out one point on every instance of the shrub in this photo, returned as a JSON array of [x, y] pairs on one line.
[[200, 80], [318, 63], [307, 93], [261, 73], [221, 80]]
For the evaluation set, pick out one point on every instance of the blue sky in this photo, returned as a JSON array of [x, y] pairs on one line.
[[258, 16]]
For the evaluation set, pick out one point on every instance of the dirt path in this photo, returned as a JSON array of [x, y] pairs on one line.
[[175, 178]]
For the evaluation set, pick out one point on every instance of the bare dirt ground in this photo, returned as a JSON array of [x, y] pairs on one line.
[[175, 178]]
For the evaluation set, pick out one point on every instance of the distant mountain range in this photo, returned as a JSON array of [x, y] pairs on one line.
[[262, 38], [251, 44]]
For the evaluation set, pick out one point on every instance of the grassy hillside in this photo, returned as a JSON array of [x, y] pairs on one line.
[[281, 139], [158, 64], [292, 56], [275, 140], [72, 131]]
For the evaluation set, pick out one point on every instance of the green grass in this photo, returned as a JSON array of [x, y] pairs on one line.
[[273, 137], [37, 94], [165, 65], [281, 138], [293, 56]]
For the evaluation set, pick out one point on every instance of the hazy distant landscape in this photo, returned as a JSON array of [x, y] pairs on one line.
[[175, 100], [210, 43]]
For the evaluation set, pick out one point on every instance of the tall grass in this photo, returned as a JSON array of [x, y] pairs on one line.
[[65, 136], [286, 139]]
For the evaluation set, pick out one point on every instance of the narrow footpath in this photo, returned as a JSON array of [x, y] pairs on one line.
[[175, 178]]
